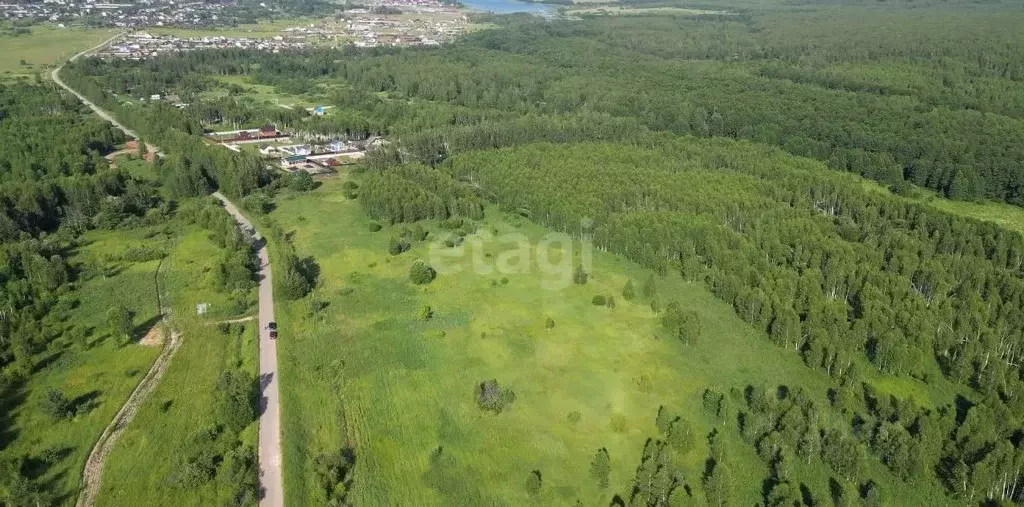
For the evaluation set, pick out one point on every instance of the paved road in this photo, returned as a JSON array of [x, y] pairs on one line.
[[271, 484], [270, 408]]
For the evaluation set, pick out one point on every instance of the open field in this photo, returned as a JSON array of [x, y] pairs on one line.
[[142, 468], [262, 93], [368, 372], [44, 47]]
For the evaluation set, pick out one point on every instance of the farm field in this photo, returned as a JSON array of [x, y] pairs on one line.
[[45, 47], [367, 371]]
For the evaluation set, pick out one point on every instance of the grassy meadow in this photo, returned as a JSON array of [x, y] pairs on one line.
[[140, 468], [368, 372], [92, 370], [44, 48]]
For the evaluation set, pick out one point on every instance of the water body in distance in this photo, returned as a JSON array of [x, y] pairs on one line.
[[508, 6]]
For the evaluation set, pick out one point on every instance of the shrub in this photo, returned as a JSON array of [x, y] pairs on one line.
[[302, 181], [579, 277], [257, 203], [610, 302], [549, 323], [682, 324], [421, 273], [490, 396], [235, 396], [426, 313], [56, 405], [574, 417], [374, 226], [601, 467], [534, 482], [398, 245], [656, 303], [419, 233], [628, 292], [599, 300]]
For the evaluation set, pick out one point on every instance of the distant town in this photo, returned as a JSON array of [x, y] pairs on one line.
[[380, 23]]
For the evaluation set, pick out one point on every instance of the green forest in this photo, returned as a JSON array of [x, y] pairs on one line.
[[781, 157]]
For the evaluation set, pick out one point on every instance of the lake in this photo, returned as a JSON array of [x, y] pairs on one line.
[[508, 6]]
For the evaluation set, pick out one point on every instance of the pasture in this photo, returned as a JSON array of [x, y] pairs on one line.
[[44, 48]]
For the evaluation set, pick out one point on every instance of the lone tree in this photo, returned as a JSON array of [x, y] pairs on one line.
[[628, 292], [119, 322], [579, 277], [600, 467], [56, 405], [650, 287], [533, 482], [421, 273]]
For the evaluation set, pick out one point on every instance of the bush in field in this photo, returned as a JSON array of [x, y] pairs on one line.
[[628, 292], [610, 302], [490, 396], [235, 396], [549, 323], [257, 203], [421, 273], [426, 312], [301, 181], [599, 300], [601, 467], [56, 405], [333, 472], [579, 277], [534, 481], [419, 233], [374, 226], [119, 323], [398, 245], [681, 324]]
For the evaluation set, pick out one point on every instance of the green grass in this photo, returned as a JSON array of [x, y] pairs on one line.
[[366, 371], [100, 374], [262, 93], [104, 372], [45, 47], [139, 470]]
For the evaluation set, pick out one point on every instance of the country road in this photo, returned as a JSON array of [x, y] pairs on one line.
[[55, 75], [270, 458], [270, 411]]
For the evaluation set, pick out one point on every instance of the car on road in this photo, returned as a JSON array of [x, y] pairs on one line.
[[273, 335], [272, 326]]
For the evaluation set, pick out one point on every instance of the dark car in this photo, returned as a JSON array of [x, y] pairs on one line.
[[272, 325], [273, 335]]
